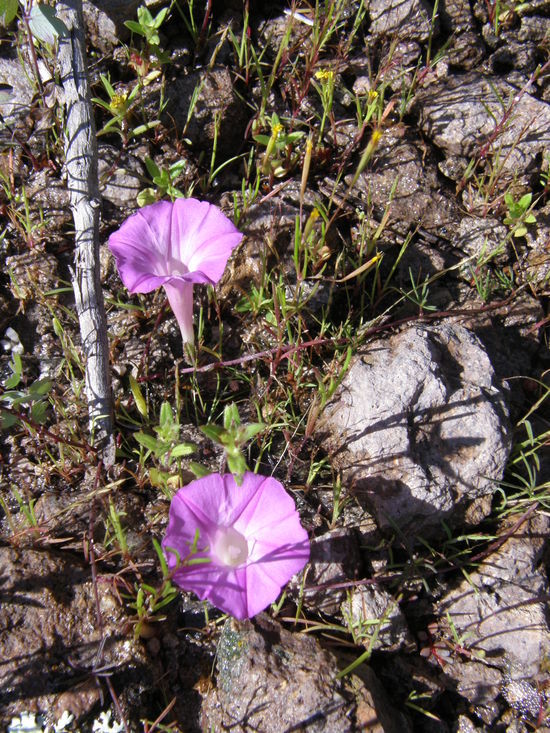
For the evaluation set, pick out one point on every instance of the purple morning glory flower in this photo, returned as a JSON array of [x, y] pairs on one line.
[[249, 537], [174, 244]]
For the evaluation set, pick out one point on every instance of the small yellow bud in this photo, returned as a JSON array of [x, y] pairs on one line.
[[118, 102], [324, 75], [375, 139]]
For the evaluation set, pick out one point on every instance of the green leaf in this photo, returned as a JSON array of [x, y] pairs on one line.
[[177, 168], [293, 136], [147, 441], [7, 420], [152, 168], [530, 219], [108, 86], [525, 201], [144, 16], [250, 430], [17, 368], [214, 432], [38, 412], [146, 197], [45, 25], [198, 469], [166, 419], [183, 449], [231, 417], [40, 388], [8, 11], [159, 20], [134, 27], [141, 404], [521, 231], [140, 129], [237, 465]]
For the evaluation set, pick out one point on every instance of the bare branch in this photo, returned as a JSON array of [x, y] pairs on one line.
[[82, 181]]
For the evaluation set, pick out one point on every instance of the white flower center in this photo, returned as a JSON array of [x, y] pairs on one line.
[[230, 547]]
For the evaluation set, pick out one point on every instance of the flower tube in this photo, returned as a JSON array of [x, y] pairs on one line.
[[174, 244]]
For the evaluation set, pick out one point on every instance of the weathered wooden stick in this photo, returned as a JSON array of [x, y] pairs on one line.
[[83, 185]]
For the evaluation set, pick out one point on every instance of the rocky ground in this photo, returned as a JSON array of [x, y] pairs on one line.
[[384, 318]]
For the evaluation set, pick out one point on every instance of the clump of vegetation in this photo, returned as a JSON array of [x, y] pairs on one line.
[[323, 268]]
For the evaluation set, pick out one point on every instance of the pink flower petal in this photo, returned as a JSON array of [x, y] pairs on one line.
[[251, 534], [202, 237], [140, 247], [267, 505]]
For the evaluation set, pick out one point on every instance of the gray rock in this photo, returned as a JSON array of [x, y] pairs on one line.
[[49, 634], [15, 103], [459, 117], [104, 21], [377, 619], [419, 428], [120, 177], [335, 560], [216, 102], [398, 63], [406, 20], [376, 711], [481, 238], [270, 680], [464, 725], [417, 199], [465, 48], [500, 610], [525, 699], [536, 263]]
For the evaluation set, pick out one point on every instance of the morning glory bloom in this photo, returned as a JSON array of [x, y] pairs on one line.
[[174, 244], [249, 541]]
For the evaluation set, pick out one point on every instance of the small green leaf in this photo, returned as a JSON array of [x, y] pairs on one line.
[[292, 137], [141, 404], [7, 420], [214, 432], [17, 368], [144, 16], [250, 430], [166, 418], [198, 469], [40, 388], [177, 168], [231, 417], [183, 449], [521, 231], [152, 167], [146, 197], [134, 27], [38, 412], [8, 11], [237, 466], [45, 25], [159, 20], [140, 129], [525, 201], [147, 441]]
